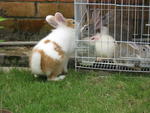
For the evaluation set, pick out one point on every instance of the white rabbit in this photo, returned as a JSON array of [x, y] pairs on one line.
[[104, 44], [50, 56]]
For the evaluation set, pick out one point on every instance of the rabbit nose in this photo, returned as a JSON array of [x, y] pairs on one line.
[[92, 38]]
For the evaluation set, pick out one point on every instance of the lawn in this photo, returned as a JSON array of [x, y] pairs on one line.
[[80, 92]]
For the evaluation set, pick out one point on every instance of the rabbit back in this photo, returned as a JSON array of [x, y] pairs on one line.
[[46, 56], [126, 50]]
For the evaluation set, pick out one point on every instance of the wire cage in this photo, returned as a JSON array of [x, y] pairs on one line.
[[113, 35]]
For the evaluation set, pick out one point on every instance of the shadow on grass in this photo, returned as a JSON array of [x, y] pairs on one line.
[[41, 79], [115, 73]]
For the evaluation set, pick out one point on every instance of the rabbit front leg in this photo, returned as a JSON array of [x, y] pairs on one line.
[[65, 68], [98, 59]]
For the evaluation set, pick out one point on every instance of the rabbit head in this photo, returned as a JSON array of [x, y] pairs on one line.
[[144, 51], [96, 23]]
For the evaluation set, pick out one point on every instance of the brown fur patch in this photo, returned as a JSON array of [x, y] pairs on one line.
[[49, 64], [56, 47], [59, 49], [47, 41], [70, 23]]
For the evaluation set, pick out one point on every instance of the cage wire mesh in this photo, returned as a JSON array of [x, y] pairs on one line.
[[113, 35]]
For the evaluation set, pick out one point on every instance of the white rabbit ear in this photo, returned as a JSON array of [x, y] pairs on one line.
[[51, 20], [60, 19], [96, 18], [134, 46], [108, 17], [101, 20], [147, 46]]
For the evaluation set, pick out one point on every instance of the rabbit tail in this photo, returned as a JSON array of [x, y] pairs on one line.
[[35, 63]]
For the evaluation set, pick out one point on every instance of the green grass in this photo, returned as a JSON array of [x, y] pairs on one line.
[[80, 92]]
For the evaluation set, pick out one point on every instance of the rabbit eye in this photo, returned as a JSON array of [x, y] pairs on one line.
[[143, 49], [73, 22], [86, 29]]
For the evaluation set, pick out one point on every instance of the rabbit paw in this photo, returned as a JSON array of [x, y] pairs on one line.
[[98, 59], [35, 75], [61, 77]]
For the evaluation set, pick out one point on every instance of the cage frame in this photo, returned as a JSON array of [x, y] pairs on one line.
[[109, 66]]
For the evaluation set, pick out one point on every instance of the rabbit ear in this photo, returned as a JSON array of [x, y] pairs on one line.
[[147, 46], [104, 20], [51, 20], [84, 15], [108, 17], [96, 18], [134, 46], [60, 19]]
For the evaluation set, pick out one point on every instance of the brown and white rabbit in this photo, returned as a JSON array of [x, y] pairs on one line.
[[50, 56]]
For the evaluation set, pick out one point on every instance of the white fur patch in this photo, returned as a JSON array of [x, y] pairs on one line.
[[36, 63]]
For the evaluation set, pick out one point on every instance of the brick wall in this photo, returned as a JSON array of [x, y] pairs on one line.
[[26, 18]]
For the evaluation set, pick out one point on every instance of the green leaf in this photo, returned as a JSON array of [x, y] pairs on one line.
[[2, 40], [2, 19], [1, 27]]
